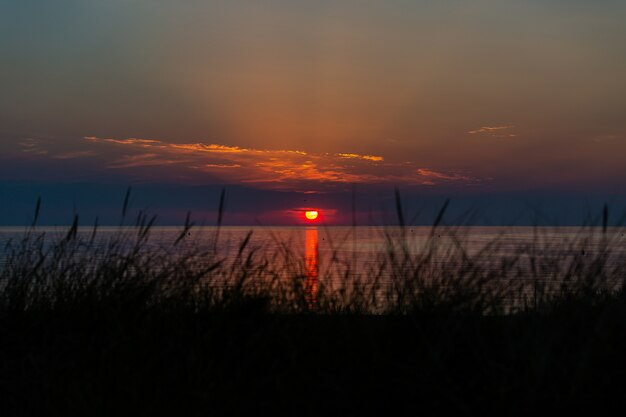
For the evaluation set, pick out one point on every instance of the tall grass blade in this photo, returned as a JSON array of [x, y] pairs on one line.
[[125, 205], [94, 231], [440, 214], [399, 210], [37, 211], [220, 214], [72, 232], [187, 226]]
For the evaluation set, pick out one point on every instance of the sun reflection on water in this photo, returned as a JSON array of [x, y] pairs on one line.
[[311, 257]]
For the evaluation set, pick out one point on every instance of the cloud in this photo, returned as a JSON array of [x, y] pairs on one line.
[[201, 147], [142, 160], [429, 173], [222, 166], [32, 146], [365, 157], [267, 168], [494, 131], [130, 141]]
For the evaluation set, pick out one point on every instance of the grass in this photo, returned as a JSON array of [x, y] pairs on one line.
[[95, 325]]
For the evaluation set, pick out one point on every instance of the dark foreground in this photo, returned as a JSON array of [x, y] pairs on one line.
[[120, 328], [245, 361]]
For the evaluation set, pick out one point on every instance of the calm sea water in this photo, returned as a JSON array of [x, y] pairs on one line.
[[338, 255], [360, 243]]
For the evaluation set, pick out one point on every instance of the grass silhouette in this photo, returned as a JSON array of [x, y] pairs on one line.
[[119, 325]]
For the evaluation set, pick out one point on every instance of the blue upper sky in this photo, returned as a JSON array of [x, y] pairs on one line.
[[281, 100]]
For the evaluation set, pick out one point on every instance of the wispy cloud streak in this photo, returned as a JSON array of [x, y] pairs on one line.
[[494, 131], [365, 157]]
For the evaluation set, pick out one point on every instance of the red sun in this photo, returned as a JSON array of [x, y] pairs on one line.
[[311, 215]]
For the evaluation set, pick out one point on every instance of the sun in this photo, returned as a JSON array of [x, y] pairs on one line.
[[311, 214]]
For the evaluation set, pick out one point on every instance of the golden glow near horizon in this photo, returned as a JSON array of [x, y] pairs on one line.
[[311, 214]]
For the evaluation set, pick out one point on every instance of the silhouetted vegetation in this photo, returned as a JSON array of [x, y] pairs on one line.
[[93, 325]]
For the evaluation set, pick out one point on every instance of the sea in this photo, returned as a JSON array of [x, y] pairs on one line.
[[366, 259], [361, 245]]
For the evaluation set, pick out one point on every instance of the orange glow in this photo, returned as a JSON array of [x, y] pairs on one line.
[[311, 214], [311, 258], [277, 168]]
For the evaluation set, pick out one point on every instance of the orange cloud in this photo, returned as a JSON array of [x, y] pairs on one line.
[[283, 169], [141, 160], [222, 166], [129, 141], [200, 147], [365, 157]]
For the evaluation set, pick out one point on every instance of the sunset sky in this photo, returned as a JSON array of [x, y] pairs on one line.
[[293, 104]]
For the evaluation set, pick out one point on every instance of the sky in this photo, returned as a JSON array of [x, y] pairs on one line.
[[499, 105]]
